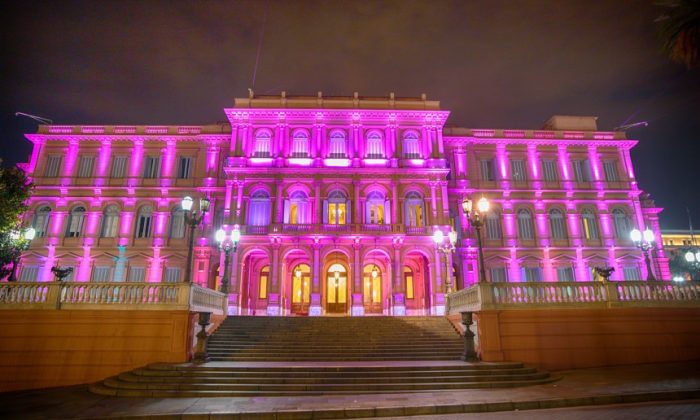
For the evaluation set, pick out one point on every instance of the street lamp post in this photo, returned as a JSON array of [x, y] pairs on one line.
[[475, 217], [645, 242], [693, 258], [22, 241], [446, 247], [228, 244], [193, 219]]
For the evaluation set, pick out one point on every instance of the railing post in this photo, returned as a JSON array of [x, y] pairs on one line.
[[200, 353], [469, 354], [612, 294]]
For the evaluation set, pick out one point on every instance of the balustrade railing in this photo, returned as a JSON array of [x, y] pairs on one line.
[[111, 295], [544, 295], [309, 228]]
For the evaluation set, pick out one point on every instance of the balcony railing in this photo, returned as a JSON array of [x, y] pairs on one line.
[[111, 296], [548, 295]]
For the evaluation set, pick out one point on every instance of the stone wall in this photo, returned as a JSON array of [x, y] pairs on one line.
[[47, 348], [558, 339]]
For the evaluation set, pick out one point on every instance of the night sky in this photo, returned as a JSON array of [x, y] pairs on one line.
[[494, 64]]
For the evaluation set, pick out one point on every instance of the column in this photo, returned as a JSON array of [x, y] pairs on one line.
[[514, 266], [279, 210], [439, 284], [234, 307], [358, 308], [103, 160], [240, 186], [273, 297], [433, 200], [565, 167], [582, 273], [46, 274], [212, 160], [155, 271], [445, 201], [534, 163], [68, 171], [315, 307], [549, 274], [394, 201], [135, 162], [503, 166], [594, 160], [120, 264], [170, 154], [318, 208], [233, 144], [399, 297], [357, 206], [83, 273], [228, 195], [354, 145]]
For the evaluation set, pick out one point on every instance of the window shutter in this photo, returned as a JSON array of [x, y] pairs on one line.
[[286, 211], [387, 212], [348, 212], [325, 211]]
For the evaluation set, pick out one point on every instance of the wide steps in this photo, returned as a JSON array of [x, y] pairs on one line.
[[277, 356]]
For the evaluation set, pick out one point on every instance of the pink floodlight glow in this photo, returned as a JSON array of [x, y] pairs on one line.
[[375, 162], [421, 162], [160, 223], [339, 163], [300, 161], [260, 161]]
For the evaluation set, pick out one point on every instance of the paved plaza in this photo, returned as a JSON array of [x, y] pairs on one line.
[[577, 391]]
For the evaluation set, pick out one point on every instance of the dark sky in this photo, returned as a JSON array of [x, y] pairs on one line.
[[494, 64]]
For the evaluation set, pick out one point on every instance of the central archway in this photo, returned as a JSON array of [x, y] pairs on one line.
[[336, 289]]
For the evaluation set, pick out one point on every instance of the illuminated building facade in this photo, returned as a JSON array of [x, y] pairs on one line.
[[337, 200]]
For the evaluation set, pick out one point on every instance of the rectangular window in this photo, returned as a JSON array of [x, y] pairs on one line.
[[487, 170], [549, 167], [610, 169], [29, 273], [517, 170], [100, 273], [531, 273], [85, 166], [498, 274], [119, 166], [151, 167], [53, 164], [137, 274], [582, 170], [184, 168], [493, 228], [631, 273], [172, 275], [565, 274]]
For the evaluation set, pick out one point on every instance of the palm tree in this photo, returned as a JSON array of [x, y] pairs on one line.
[[680, 30]]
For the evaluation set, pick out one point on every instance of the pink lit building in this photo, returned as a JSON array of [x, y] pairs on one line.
[[337, 199]]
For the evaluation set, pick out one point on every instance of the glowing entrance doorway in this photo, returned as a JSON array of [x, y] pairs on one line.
[[337, 289], [301, 289], [372, 296]]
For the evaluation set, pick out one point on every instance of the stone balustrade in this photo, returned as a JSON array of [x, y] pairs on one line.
[[311, 228], [111, 295], [549, 295]]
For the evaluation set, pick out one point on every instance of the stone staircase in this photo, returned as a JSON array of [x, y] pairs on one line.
[[284, 356], [258, 339]]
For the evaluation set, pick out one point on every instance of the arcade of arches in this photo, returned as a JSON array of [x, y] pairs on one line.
[[337, 280]]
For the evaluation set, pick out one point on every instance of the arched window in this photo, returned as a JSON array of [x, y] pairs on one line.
[[75, 222], [297, 209], [177, 223], [411, 145], [622, 224], [557, 226], [264, 278], [41, 221], [375, 145], [493, 226], [336, 209], [144, 220], [110, 222], [414, 210], [525, 228], [590, 225], [259, 209], [337, 149], [263, 146], [377, 209], [300, 144]]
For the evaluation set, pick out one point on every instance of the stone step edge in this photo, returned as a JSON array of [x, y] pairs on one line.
[[480, 407]]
